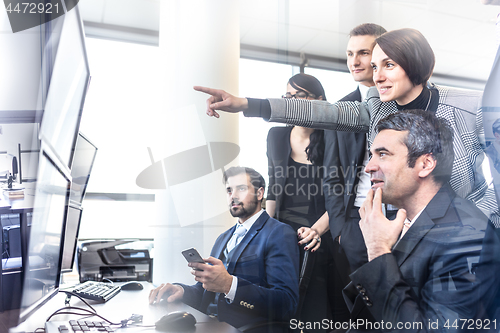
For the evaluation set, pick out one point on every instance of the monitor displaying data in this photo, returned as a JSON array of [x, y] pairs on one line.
[[83, 160], [43, 270]]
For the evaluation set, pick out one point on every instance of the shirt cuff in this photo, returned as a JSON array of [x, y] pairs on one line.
[[258, 108], [232, 291]]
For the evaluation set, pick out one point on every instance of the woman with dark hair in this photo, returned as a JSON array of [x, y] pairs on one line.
[[402, 63], [295, 156]]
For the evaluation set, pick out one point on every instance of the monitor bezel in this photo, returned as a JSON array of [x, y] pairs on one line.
[[42, 135], [80, 209], [45, 152], [84, 94], [83, 137]]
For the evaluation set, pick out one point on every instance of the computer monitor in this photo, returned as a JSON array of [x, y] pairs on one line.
[[83, 160], [69, 80], [73, 219], [42, 270]]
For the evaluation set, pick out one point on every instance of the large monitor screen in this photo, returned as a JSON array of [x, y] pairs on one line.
[[41, 279], [70, 237], [67, 89], [83, 160]]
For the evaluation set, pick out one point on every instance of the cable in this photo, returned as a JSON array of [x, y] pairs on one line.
[[109, 281], [134, 318], [143, 326], [70, 293], [55, 313], [62, 311]]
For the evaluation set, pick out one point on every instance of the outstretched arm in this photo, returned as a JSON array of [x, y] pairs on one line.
[[221, 100], [342, 116]]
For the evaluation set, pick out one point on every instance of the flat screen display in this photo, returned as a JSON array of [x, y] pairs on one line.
[[41, 280], [67, 89], [70, 237], [83, 160]]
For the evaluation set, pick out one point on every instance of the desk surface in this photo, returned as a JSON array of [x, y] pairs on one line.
[[18, 205], [122, 306]]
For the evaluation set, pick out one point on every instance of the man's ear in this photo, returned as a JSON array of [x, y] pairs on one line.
[[426, 163], [260, 193]]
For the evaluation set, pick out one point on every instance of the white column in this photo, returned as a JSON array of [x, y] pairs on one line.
[[199, 44]]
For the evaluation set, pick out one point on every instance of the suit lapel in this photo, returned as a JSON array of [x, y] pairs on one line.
[[222, 244], [254, 230], [357, 138], [414, 235], [435, 209]]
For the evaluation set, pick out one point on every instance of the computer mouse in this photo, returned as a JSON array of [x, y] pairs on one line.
[[133, 285], [176, 321]]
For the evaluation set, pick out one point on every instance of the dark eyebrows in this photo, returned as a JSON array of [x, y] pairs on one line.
[[382, 61], [237, 186], [358, 51], [380, 149]]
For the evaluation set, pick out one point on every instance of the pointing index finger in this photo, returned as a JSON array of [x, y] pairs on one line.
[[205, 90]]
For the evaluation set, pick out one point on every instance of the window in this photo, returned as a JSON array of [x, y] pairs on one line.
[[122, 103]]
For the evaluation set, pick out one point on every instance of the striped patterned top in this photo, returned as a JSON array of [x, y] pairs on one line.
[[462, 108]]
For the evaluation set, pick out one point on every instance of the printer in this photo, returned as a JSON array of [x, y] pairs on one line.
[[115, 260]]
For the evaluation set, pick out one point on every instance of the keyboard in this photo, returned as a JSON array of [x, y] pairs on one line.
[[96, 291], [77, 326]]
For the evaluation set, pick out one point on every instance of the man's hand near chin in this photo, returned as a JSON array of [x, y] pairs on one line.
[[214, 276], [380, 234]]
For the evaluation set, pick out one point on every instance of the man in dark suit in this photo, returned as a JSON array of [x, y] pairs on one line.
[[253, 269], [435, 266], [346, 154]]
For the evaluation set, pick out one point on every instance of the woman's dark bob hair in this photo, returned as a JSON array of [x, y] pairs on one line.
[[410, 50], [309, 84]]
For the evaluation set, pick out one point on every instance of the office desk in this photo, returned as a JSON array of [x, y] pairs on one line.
[[11, 275], [18, 205], [122, 306]]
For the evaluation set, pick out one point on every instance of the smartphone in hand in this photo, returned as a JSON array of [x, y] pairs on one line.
[[192, 255]]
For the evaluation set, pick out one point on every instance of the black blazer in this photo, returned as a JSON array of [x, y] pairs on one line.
[[278, 154], [445, 267], [344, 152]]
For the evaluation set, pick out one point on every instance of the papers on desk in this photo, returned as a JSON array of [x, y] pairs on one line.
[[14, 193]]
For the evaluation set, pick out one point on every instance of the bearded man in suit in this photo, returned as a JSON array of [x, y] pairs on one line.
[[253, 275]]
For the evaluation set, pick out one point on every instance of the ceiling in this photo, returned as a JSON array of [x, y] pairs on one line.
[[461, 32]]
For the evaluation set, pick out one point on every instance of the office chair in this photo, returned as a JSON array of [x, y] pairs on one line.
[[305, 274]]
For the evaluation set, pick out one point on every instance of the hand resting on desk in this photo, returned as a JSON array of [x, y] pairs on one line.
[[174, 292]]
